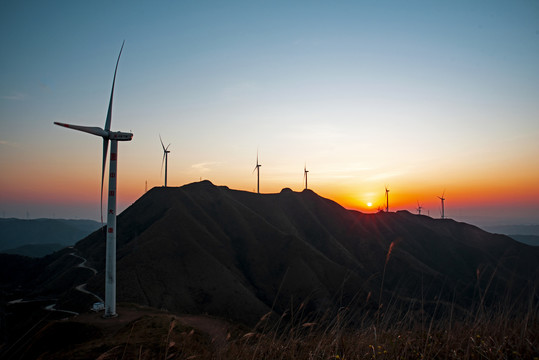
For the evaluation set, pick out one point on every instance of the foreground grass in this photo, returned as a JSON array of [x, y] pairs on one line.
[[495, 335], [508, 331], [161, 335], [486, 339]]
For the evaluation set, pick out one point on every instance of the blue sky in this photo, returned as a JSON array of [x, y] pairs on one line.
[[420, 95]]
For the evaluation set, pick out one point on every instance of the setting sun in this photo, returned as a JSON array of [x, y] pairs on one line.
[[369, 204]]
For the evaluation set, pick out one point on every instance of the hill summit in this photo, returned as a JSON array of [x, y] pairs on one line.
[[202, 248]]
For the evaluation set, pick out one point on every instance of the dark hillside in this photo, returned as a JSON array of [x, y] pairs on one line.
[[202, 248]]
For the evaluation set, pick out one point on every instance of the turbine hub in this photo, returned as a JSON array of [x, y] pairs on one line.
[[120, 136]]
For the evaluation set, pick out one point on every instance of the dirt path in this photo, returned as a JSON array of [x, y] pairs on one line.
[[83, 263], [82, 287], [217, 330], [52, 308]]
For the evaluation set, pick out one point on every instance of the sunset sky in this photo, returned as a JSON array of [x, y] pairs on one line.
[[420, 96]]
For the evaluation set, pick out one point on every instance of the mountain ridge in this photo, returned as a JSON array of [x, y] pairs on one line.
[[206, 249], [202, 248]]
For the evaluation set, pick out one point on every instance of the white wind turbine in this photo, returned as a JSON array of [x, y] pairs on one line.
[[387, 199], [419, 207], [305, 171], [443, 199], [165, 159], [114, 137], [257, 169]]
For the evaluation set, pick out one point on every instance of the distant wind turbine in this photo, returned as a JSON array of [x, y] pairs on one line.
[[387, 199], [165, 159], [419, 207], [257, 169], [443, 199], [305, 171], [114, 137]]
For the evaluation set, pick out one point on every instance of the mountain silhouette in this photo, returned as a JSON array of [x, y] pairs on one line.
[[202, 248], [16, 233]]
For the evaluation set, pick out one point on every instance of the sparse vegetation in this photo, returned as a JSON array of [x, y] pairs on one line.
[[153, 334], [493, 336]]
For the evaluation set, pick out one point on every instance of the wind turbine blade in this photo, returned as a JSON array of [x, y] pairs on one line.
[[109, 112], [105, 150], [87, 129], [163, 145], [162, 162]]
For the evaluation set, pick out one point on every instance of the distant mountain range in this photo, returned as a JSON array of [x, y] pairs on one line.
[[34, 250], [527, 234], [39, 237], [202, 248]]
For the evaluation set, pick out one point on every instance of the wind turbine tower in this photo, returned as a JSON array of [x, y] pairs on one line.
[[114, 137], [387, 199], [257, 168], [443, 199], [305, 171], [166, 151], [419, 207]]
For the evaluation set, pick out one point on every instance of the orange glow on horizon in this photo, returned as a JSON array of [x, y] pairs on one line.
[[86, 190], [51, 184]]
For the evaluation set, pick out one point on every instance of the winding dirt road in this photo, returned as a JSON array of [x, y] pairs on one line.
[[82, 287]]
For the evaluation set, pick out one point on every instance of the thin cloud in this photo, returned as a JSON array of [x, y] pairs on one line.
[[8, 143], [203, 166], [15, 96]]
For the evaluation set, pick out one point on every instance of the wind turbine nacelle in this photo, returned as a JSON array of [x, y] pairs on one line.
[[120, 136]]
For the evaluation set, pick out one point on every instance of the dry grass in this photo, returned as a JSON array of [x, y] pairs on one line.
[[496, 336], [483, 333]]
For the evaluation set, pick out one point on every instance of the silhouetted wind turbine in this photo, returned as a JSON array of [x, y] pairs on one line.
[[387, 199], [114, 137], [257, 168], [419, 207], [443, 199], [305, 171], [165, 159]]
